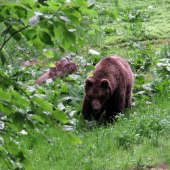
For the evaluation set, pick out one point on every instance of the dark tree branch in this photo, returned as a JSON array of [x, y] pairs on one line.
[[13, 35]]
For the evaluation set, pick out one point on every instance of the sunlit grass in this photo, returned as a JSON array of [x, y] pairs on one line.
[[138, 139]]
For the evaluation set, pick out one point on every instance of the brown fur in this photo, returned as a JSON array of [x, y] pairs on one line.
[[110, 88], [61, 69]]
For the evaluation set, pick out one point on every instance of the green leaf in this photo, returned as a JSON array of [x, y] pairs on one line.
[[115, 14], [11, 126], [73, 48], [60, 116], [81, 3], [166, 82], [159, 87], [108, 30], [149, 51], [95, 27], [34, 20], [45, 38], [18, 121], [40, 59], [21, 12], [14, 150], [16, 36], [43, 23], [57, 32], [2, 149], [69, 36], [5, 95], [4, 32], [1, 18], [48, 54], [74, 19], [54, 7], [90, 68], [43, 9], [73, 139], [139, 37], [72, 91], [38, 43], [29, 124], [63, 89], [3, 163], [42, 103], [91, 32], [65, 44], [31, 34], [112, 13], [37, 118], [8, 109], [25, 162], [149, 45], [18, 100], [46, 118], [88, 11], [140, 80], [80, 42], [69, 78], [6, 138], [90, 74], [51, 65], [50, 28]]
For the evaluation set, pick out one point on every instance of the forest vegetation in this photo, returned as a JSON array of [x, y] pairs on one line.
[[41, 126]]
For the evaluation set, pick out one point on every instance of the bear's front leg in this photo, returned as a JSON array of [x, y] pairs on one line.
[[87, 109], [114, 107]]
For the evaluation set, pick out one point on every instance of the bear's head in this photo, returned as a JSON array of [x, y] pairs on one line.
[[97, 92]]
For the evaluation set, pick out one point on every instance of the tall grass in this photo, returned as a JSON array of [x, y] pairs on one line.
[[140, 138]]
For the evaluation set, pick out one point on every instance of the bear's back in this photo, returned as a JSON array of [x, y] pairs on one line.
[[112, 64]]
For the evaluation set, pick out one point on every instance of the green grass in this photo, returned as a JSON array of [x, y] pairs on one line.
[[155, 20], [139, 139]]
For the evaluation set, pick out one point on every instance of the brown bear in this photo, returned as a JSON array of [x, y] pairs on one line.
[[109, 89], [62, 68]]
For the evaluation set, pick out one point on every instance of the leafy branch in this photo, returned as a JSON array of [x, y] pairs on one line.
[[5, 41]]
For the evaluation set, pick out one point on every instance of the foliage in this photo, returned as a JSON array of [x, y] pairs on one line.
[[43, 24], [59, 28]]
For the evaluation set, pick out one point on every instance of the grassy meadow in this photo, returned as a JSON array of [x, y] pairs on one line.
[[138, 139]]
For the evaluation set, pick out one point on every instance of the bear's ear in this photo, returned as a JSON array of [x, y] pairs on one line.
[[105, 83], [88, 82]]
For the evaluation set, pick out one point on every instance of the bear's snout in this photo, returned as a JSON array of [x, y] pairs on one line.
[[96, 110], [96, 106]]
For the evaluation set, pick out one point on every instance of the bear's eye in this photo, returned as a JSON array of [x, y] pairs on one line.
[[89, 84]]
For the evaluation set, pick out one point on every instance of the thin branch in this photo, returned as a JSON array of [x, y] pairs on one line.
[[12, 35], [5, 41]]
